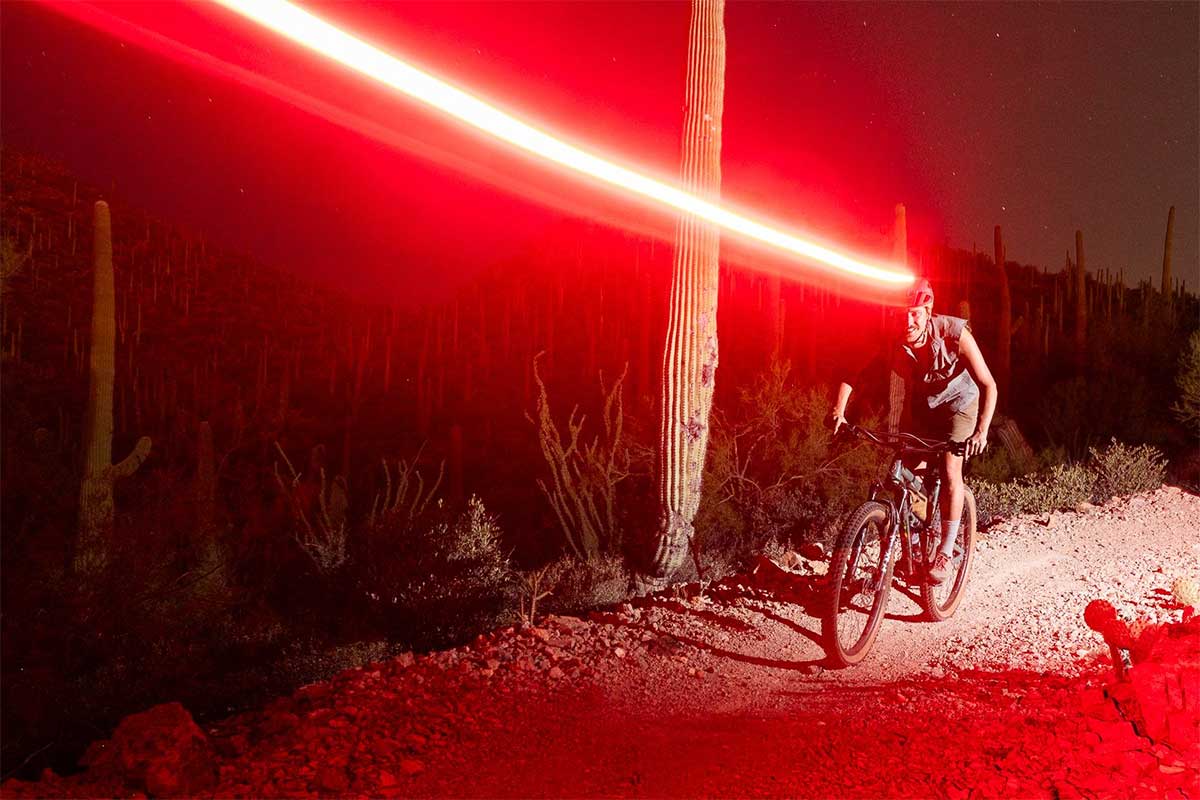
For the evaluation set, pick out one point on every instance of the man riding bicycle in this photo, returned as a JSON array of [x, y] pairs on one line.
[[945, 375]]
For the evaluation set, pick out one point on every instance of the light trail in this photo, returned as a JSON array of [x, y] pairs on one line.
[[320, 36]]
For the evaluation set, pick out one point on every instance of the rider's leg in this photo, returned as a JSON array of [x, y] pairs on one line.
[[961, 425], [951, 501]]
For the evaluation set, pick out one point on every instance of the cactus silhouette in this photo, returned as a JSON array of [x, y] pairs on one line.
[[99, 473], [1081, 306], [1004, 323], [690, 357], [1167, 242]]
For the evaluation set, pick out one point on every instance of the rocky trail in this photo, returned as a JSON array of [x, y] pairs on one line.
[[726, 694]]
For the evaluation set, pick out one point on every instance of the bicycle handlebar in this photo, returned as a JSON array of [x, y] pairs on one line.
[[907, 441]]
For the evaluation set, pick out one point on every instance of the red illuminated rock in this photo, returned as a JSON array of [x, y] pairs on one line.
[[160, 751]]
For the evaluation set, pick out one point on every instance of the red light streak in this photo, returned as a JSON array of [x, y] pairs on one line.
[[319, 36]]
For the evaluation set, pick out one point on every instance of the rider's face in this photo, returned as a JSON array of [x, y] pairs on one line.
[[915, 320]]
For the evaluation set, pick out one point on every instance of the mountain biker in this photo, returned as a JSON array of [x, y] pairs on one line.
[[951, 395]]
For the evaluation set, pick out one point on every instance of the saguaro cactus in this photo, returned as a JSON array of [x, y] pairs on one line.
[[1081, 313], [896, 387], [1004, 324], [1166, 270], [900, 235], [99, 473], [690, 357]]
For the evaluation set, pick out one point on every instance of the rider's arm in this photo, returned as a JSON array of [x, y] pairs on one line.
[[968, 348], [839, 408]]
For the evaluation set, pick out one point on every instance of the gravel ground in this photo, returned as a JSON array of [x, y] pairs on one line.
[[726, 695]]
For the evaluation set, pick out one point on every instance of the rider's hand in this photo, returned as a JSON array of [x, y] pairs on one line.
[[977, 443], [836, 421]]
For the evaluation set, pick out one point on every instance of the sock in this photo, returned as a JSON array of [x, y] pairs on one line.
[[949, 536]]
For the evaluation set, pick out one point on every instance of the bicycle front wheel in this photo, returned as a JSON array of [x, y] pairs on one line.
[[940, 601], [860, 575]]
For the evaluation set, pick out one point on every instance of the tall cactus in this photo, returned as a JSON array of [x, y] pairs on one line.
[[690, 357], [1081, 307], [99, 473], [1004, 324], [900, 235], [896, 387], [1166, 269]]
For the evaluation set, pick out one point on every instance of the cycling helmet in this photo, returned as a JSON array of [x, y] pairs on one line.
[[920, 293]]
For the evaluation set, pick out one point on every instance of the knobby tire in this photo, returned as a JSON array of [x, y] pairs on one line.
[[846, 575]]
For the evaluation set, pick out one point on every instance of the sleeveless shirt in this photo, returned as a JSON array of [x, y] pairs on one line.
[[939, 376]]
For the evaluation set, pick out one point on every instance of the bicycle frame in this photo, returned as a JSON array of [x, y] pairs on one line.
[[895, 494]]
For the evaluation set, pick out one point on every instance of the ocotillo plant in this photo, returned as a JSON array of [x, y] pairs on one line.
[[690, 358], [99, 473], [1004, 323]]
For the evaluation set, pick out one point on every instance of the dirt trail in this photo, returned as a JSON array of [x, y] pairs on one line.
[[725, 696]]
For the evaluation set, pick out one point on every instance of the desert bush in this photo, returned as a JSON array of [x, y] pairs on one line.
[[1061, 486], [1121, 470], [995, 465], [1116, 470], [319, 511], [1187, 407], [438, 575], [773, 471], [583, 585], [535, 585]]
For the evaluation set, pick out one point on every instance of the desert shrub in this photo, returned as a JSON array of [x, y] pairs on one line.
[[1121, 470], [1061, 486], [1187, 407], [1116, 470], [995, 465], [319, 510], [439, 575], [773, 471], [583, 585]]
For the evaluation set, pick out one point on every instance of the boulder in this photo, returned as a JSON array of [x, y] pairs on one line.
[[160, 751]]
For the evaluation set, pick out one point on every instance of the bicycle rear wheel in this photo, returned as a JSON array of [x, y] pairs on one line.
[[860, 574], [941, 601]]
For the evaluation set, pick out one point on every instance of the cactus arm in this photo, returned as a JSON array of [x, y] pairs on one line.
[[131, 462]]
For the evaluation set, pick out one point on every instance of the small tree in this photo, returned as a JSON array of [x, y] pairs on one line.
[[1187, 408]]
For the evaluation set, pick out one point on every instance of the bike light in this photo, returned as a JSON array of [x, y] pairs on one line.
[[320, 36]]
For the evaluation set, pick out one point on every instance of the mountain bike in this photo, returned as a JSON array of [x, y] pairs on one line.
[[895, 534]]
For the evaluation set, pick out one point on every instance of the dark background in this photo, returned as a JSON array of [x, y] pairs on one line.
[[1040, 118]]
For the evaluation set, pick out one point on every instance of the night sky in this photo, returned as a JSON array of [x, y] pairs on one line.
[[1041, 118]]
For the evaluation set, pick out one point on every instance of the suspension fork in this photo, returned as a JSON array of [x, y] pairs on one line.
[[895, 532]]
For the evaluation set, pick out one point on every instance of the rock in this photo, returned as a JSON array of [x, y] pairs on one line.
[[160, 751], [333, 779], [411, 767], [567, 624], [619, 652], [813, 551], [556, 673]]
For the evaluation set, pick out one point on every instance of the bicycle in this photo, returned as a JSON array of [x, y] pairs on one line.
[[895, 532]]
